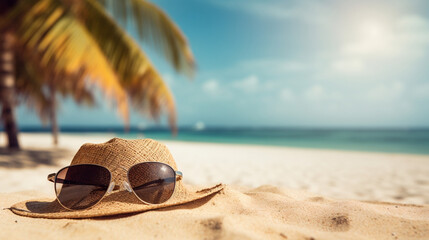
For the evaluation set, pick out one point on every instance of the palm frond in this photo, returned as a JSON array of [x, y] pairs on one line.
[[74, 46], [155, 28], [32, 82], [66, 47], [146, 90]]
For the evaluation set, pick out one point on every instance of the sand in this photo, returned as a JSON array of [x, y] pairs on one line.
[[311, 200], [262, 213], [402, 178]]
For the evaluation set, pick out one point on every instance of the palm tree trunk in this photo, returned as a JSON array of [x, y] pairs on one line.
[[53, 114], [7, 88]]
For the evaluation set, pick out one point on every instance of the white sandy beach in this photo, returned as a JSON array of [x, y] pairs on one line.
[[402, 178], [305, 194]]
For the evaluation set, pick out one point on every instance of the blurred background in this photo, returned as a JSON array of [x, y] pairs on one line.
[[338, 75], [301, 65]]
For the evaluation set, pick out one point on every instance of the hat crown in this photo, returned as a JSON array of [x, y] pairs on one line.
[[119, 154]]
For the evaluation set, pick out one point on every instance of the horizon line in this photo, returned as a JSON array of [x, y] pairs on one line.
[[119, 128]]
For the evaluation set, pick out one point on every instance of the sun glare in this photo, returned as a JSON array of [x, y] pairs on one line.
[[373, 37], [373, 30]]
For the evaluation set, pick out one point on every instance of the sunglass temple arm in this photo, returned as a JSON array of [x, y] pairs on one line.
[[179, 175], [51, 177]]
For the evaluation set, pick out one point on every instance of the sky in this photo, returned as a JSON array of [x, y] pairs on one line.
[[290, 63]]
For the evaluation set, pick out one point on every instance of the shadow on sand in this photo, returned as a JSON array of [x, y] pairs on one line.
[[28, 158]]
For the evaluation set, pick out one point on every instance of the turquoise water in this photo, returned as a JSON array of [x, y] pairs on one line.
[[415, 141]]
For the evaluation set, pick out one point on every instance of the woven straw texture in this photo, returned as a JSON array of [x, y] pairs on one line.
[[116, 155]]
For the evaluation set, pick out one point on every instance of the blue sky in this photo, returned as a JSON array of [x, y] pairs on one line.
[[292, 63]]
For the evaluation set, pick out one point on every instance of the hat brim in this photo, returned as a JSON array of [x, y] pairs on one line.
[[116, 203]]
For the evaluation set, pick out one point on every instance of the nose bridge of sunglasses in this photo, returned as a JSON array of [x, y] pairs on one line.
[[119, 174], [127, 186], [111, 187]]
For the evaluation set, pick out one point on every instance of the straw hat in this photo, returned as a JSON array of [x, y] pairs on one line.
[[115, 155]]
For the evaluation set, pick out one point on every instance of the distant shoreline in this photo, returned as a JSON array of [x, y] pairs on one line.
[[406, 141], [122, 129]]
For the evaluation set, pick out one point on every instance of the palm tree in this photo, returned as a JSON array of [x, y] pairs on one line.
[[68, 47]]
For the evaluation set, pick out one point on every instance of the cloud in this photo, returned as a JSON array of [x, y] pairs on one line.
[[386, 92], [380, 44], [422, 91], [409, 32], [413, 33], [371, 73], [323, 95], [211, 86], [287, 95], [315, 93], [248, 84], [416, 27], [348, 66], [374, 38]]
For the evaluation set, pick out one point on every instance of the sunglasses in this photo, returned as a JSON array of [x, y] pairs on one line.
[[81, 186]]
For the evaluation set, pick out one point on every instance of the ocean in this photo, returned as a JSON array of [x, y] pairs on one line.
[[414, 141]]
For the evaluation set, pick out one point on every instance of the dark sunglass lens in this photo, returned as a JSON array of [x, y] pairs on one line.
[[81, 186], [152, 182]]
